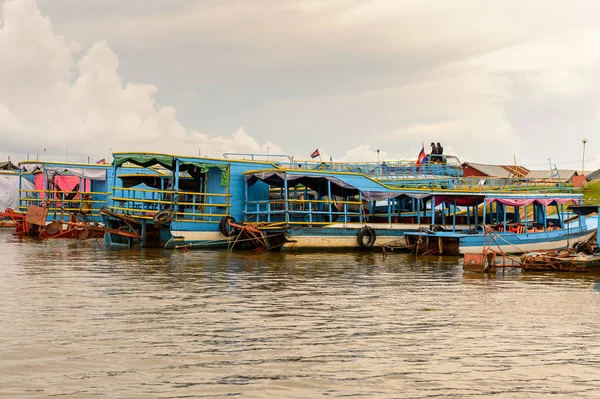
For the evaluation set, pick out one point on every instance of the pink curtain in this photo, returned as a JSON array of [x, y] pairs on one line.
[[528, 201]]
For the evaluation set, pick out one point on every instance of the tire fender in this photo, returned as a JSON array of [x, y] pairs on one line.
[[163, 217], [226, 229], [367, 233]]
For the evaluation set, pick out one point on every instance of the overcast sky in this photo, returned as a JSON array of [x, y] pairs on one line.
[[488, 79]]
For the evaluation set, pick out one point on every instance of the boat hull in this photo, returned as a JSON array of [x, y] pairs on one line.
[[511, 243], [446, 243], [345, 236]]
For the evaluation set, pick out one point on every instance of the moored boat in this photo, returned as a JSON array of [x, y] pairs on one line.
[[173, 201], [60, 199], [514, 223], [316, 209], [581, 257]]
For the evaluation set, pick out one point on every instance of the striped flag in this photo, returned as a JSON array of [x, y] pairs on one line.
[[421, 156]]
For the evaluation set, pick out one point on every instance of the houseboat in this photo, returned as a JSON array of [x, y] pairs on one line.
[[173, 201], [60, 199], [316, 209]]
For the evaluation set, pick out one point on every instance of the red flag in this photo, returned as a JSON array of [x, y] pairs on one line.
[[102, 161], [315, 153], [421, 156]]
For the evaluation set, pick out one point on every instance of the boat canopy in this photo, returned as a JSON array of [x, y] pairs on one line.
[[318, 182], [92, 173], [459, 201], [167, 161], [584, 210], [528, 201]]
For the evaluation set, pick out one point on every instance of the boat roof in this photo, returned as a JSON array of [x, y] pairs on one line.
[[584, 210], [147, 159], [30, 165], [349, 183]]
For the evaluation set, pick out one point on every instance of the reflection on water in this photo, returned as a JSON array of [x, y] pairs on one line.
[[80, 320]]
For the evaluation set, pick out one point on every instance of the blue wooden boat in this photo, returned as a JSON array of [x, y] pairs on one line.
[[511, 223], [171, 201], [315, 209]]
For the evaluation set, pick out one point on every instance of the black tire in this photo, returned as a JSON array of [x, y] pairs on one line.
[[226, 229], [368, 233], [163, 217]]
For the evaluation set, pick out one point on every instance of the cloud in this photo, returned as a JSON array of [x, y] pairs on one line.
[[490, 81], [56, 96]]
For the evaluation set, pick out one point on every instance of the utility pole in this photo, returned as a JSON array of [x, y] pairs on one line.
[[584, 141]]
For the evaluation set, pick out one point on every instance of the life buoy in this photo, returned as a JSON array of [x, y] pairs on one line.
[[369, 233], [226, 229], [163, 217]]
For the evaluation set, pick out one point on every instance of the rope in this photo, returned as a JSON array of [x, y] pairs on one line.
[[217, 242]]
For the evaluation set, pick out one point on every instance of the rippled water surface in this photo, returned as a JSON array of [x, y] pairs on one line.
[[79, 320]]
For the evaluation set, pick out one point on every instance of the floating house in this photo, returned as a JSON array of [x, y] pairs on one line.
[[57, 199], [173, 201]]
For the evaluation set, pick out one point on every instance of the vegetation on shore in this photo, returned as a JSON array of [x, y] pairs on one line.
[[591, 193]]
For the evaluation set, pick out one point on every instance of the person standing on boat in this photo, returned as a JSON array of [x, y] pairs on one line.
[[440, 152], [434, 151]]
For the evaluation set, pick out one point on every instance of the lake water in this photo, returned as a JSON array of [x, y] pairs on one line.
[[78, 320]]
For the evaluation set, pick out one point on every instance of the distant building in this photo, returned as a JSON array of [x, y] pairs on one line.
[[557, 175], [509, 171], [593, 175], [483, 170]]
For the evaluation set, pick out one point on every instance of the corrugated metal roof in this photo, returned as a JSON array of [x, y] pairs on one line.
[[563, 174], [490, 170], [593, 175]]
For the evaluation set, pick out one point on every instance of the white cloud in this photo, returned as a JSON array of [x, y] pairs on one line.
[[85, 109], [490, 80]]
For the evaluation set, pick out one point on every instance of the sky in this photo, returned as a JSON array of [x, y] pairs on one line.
[[493, 81]]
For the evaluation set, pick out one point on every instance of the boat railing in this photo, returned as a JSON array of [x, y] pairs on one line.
[[187, 206], [85, 202], [381, 170], [479, 184], [304, 211]]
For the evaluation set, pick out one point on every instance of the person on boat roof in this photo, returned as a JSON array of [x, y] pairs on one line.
[[434, 149]]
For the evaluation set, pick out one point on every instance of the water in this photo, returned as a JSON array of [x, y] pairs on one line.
[[81, 321]]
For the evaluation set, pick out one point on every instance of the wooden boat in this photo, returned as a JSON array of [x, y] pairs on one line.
[[317, 209], [60, 199], [582, 257], [511, 223], [173, 201]]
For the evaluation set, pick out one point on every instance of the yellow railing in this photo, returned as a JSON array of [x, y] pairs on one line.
[[145, 203], [87, 202], [302, 211]]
